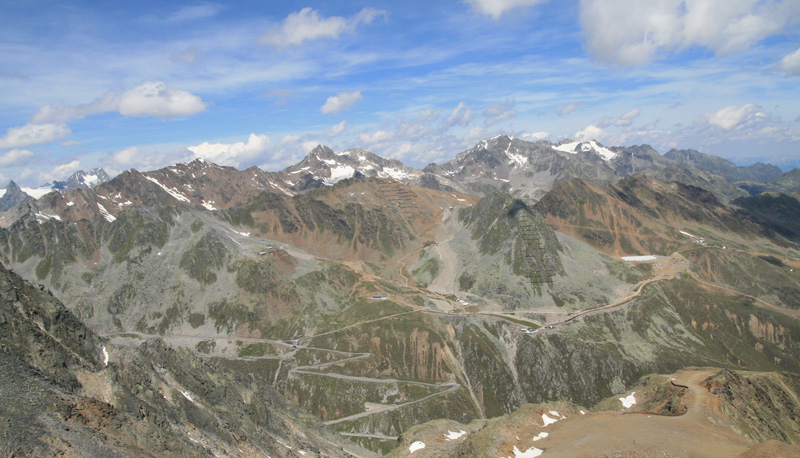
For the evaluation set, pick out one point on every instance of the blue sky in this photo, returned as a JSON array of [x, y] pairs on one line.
[[146, 84]]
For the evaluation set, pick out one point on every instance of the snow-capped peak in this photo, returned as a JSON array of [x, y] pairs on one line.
[[590, 146]]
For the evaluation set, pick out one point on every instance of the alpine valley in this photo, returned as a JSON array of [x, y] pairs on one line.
[[524, 299]]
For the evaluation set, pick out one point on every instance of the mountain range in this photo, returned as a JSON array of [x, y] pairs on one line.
[[238, 312]]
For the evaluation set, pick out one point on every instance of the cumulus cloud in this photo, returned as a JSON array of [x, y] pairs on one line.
[[733, 117], [376, 138], [655, 28], [148, 99], [496, 112], [128, 157], [232, 154], [289, 139], [627, 119], [563, 110], [156, 99], [496, 8], [307, 25], [342, 101], [590, 133], [534, 136], [33, 134], [16, 158], [336, 129], [60, 172], [791, 63]]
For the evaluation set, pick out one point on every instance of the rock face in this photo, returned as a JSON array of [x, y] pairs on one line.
[[66, 390], [13, 195], [722, 167]]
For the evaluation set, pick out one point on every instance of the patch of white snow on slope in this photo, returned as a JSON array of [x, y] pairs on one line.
[[532, 452], [108, 216], [418, 445], [105, 356], [547, 420], [628, 401], [171, 191], [452, 435]]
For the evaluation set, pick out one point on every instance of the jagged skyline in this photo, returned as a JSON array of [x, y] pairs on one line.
[[147, 85]]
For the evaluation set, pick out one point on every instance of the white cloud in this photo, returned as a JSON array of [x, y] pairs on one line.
[[729, 117], [336, 129], [128, 157], [309, 145], [460, 116], [148, 99], [232, 154], [307, 25], [65, 113], [496, 112], [16, 158], [60, 172], [534, 136], [154, 98], [563, 110], [288, 139], [654, 28], [33, 134], [590, 133], [791, 63], [627, 119], [496, 8], [342, 101], [375, 138]]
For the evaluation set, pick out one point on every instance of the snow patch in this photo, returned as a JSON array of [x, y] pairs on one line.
[[42, 217], [397, 174], [648, 257], [2, 192], [108, 216], [532, 452], [209, 205], [105, 356], [69, 204], [688, 234], [572, 148], [37, 192], [540, 436], [547, 420], [187, 395], [245, 234], [453, 435], [517, 159], [171, 191], [90, 180], [628, 401], [418, 445], [338, 174]]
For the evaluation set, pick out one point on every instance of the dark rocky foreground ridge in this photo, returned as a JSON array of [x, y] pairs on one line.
[[62, 394]]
